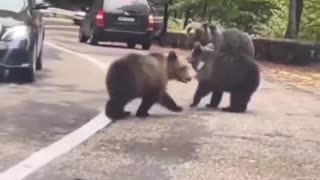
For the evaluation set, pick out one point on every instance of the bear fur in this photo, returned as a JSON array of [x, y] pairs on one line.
[[231, 40], [201, 32], [146, 76], [235, 73], [200, 54]]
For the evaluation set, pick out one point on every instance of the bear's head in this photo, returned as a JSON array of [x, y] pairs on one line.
[[200, 54], [179, 69]]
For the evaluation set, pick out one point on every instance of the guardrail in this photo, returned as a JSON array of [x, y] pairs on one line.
[[57, 11], [53, 12]]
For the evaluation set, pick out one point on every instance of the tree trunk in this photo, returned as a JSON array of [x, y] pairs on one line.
[[186, 16], [299, 10], [165, 19], [292, 23], [175, 14], [205, 8]]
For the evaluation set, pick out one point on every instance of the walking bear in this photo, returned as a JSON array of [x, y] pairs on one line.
[[146, 76], [236, 73]]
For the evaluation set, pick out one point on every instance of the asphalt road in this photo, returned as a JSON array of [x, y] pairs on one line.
[[278, 138]]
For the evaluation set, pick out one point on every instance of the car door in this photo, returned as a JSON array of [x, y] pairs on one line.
[[91, 16], [84, 24], [38, 25]]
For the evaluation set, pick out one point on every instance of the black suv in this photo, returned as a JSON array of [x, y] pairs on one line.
[[129, 21]]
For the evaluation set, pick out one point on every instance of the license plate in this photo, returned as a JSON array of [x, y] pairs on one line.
[[126, 19]]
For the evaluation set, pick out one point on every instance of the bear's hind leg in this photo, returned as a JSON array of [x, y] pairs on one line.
[[146, 104], [201, 91], [215, 99], [115, 109], [238, 102], [167, 101]]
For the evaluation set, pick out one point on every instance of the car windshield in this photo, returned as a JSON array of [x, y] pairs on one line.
[[125, 5], [13, 5]]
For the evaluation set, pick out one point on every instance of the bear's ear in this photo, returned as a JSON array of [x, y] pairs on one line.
[[172, 56], [197, 49], [212, 27], [205, 25]]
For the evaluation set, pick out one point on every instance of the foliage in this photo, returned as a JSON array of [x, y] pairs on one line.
[[310, 22], [265, 17], [244, 14], [310, 25]]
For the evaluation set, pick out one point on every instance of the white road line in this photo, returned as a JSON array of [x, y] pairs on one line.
[[67, 143], [90, 59]]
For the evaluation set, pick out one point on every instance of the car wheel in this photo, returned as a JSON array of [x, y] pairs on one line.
[[131, 45], [29, 75], [39, 61], [93, 38], [146, 45]]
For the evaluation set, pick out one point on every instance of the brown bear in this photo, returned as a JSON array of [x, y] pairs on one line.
[[231, 40], [146, 76], [201, 32], [235, 73], [200, 54]]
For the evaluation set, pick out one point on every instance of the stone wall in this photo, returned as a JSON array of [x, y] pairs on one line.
[[282, 51]]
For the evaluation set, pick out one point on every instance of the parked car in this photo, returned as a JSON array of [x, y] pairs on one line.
[[21, 38], [129, 21], [78, 17]]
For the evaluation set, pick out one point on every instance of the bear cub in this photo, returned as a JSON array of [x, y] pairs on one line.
[[231, 40], [236, 73], [146, 76]]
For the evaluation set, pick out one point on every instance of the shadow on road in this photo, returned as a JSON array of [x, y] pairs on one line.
[[18, 77]]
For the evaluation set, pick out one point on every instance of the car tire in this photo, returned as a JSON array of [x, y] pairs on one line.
[[39, 61], [131, 45], [93, 38], [146, 45], [29, 75]]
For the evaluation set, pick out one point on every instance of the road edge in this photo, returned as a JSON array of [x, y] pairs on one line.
[[47, 154]]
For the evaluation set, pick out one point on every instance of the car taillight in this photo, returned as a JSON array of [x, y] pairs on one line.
[[150, 23], [100, 19]]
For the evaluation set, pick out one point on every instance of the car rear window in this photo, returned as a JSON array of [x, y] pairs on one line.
[[126, 5]]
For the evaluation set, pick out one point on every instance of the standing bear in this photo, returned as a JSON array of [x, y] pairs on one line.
[[236, 73], [230, 40], [146, 76]]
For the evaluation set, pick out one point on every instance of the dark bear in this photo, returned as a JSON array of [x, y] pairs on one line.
[[231, 40], [236, 73], [200, 54], [146, 76]]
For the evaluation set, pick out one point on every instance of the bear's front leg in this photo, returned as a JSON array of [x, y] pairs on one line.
[[166, 101], [201, 91]]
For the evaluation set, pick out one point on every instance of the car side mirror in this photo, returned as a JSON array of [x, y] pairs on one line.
[[85, 9], [41, 6]]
